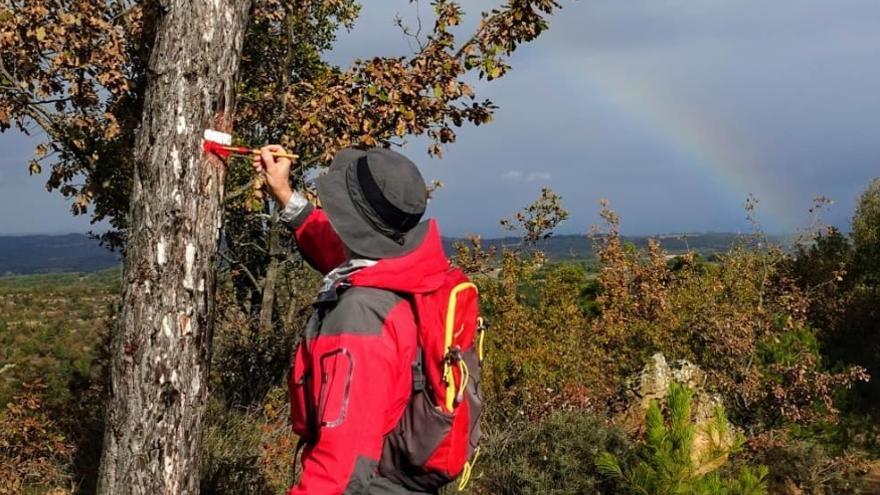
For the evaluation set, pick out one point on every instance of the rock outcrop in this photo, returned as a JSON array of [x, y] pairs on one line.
[[652, 384]]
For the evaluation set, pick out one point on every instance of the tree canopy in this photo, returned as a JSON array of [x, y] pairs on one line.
[[77, 71]]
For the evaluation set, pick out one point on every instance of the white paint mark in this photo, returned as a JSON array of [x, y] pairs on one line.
[[160, 251], [188, 268], [192, 177], [202, 284], [208, 34], [166, 326], [196, 382], [175, 160], [181, 119], [174, 376], [169, 467]]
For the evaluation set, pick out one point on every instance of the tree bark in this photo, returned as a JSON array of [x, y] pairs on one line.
[[161, 346]]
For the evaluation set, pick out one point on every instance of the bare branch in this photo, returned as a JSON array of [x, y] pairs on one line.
[[242, 266]]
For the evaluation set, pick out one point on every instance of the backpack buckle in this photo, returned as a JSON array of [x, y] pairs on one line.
[[418, 372], [453, 355]]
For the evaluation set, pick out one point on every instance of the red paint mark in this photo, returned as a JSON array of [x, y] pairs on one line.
[[216, 148]]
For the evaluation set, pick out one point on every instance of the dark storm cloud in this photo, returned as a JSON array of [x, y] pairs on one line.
[[674, 110]]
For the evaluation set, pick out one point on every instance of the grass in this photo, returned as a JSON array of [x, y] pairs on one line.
[[109, 279]]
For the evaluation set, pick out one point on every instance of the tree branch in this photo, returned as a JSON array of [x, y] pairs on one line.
[[235, 262], [239, 191]]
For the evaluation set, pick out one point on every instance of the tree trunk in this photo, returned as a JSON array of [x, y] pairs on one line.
[[270, 281], [161, 346]]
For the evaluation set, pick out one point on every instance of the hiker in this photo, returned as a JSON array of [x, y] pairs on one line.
[[352, 375]]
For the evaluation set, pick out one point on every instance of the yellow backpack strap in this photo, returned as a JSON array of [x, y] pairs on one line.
[[468, 471], [481, 329], [448, 376]]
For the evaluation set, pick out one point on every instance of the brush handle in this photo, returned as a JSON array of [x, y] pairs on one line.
[[280, 155], [245, 151]]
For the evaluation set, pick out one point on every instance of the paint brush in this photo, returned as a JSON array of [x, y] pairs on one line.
[[220, 144]]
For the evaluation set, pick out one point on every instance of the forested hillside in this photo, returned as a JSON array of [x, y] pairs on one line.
[[27, 254], [53, 253]]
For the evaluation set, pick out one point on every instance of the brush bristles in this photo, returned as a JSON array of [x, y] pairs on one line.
[[218, 137]]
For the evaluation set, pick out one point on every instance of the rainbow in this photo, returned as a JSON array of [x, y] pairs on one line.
[[713, 151]]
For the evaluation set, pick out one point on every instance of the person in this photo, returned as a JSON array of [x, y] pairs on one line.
[[351, 377]]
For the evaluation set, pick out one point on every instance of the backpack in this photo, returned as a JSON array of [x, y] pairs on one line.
[[437, 438]]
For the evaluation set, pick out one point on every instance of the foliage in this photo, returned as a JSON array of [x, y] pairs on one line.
[[538, 335], [538, 219], [802, 465], [866, 232], [820, 267], [472, 258], [719, 316], [248, 362], [669, 464], [551, 350], [555, 455], [52, 327], [78, 70], [382, 98], [248, 451], [840, 277], [287, 93], [34, 454]]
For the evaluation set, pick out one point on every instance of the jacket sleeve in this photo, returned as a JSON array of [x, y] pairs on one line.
[[353, 377], [319, 244]]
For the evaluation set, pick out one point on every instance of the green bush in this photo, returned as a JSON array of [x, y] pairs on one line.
[[555, 455]]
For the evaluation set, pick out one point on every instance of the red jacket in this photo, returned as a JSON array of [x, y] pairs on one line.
[[352, 376]]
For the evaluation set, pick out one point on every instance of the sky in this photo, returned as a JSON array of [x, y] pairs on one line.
[[674, 110]]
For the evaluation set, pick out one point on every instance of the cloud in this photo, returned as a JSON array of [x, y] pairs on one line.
[[520, 176], [512, 175], [537, 176]]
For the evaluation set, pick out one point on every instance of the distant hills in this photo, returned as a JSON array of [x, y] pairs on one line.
[[580, 247], [27, 254]]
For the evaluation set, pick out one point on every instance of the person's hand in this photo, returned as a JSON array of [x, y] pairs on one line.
[[277, 172]]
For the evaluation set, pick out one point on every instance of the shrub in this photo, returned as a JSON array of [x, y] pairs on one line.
[[248, 451], [249, 360], [807, 467], [34, 453], [866, 232], [555, 455]]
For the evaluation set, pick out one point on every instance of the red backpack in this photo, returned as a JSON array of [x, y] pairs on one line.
[[437, 437]]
